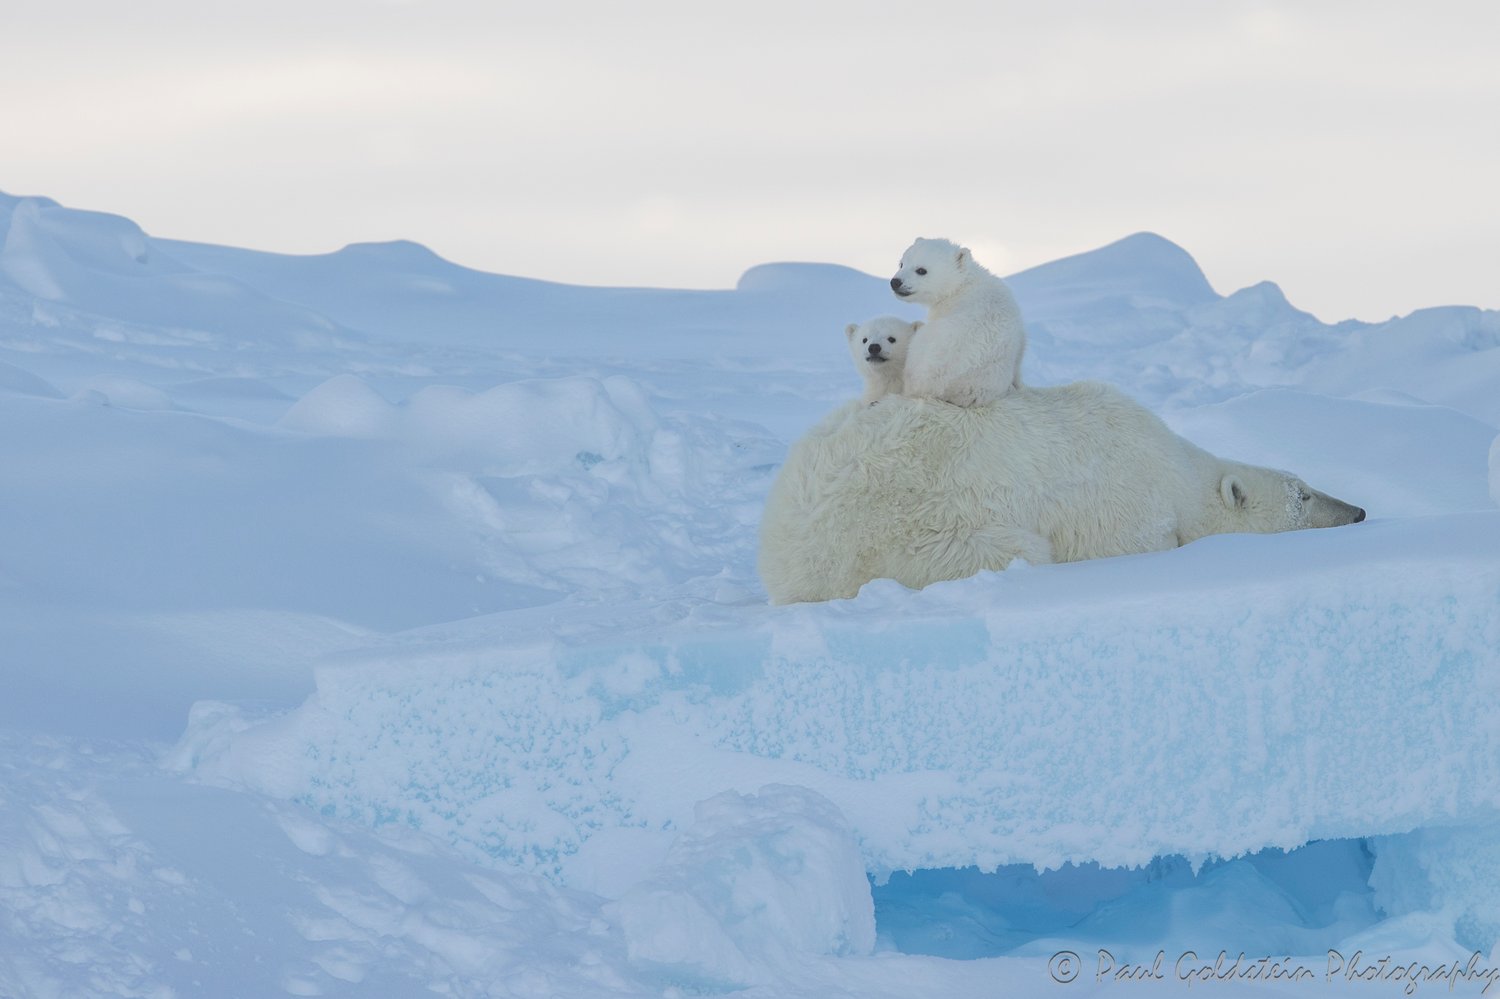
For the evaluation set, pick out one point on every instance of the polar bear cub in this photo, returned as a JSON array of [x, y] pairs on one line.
[[879, 349], [970, 350]]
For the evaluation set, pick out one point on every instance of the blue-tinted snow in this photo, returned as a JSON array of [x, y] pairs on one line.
[[372, 623]]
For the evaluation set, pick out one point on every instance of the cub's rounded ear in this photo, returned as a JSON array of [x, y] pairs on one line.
[[1232, 492], [917, 325], [850, 330]]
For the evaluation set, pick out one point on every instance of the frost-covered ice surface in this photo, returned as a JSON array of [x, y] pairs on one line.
[[376, 626]]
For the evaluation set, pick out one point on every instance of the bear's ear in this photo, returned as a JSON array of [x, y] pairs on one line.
[[917, 325], [850, 330], [1232, 491]]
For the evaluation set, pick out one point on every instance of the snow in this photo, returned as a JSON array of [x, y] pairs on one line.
[[374, 625], [1495, 471], [752, 877]]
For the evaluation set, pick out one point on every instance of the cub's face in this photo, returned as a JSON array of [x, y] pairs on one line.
[[880, 342], [931, 270]]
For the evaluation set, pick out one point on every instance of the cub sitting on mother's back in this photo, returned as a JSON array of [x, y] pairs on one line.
[[970, 349]]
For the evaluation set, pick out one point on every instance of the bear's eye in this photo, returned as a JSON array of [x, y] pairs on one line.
[[890, 339], [921, 271], [865, 340], [1304, 497]]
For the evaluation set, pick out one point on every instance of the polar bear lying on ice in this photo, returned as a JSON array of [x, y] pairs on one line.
[[918, 491]]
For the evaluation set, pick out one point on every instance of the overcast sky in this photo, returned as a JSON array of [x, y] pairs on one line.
[[1348, 151]]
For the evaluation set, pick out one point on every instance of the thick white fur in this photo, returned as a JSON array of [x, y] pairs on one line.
[[919, 491], [970, 350], [882, 368]]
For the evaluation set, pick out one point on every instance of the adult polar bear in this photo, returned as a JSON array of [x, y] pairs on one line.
[[918, 491]]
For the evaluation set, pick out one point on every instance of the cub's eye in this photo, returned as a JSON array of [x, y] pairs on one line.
[[1304, 497], [890, 339], [921, 270], [865, 340]]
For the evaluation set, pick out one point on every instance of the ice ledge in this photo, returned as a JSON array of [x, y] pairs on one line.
[[1241, 693]]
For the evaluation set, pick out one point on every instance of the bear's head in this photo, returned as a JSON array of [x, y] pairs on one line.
[[931, 270], [880, 342], [1264, 500]]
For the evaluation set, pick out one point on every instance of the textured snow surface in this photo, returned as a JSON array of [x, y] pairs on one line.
[[374, 626], [957, 726]]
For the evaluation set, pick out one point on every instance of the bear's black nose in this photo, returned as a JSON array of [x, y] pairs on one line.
[[874, 349], [895, 284], [1359, 516]]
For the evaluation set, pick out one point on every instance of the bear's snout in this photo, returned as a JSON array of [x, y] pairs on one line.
[[874, 350], [896, 287], [1359, 515]]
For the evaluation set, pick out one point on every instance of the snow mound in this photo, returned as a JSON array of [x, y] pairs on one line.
[[1495, 471], [567, 482], [104, 265], [383, 515], [22, 382], [1393, 459], [1139, 270], [803, 278], [129, 393], [343, 406], [539, 427], [754, 881], [1449, 356]]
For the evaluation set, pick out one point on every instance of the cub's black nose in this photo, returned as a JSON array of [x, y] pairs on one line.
[[874, 350], [1359, 516], [895, 284]]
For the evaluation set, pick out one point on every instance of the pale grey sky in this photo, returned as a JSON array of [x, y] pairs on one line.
[[1346, 150]]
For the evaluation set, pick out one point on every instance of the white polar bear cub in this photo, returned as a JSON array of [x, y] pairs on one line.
[[879, 349], [971, 346]]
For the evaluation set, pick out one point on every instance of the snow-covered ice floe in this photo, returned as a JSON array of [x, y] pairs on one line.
[[1208, 702], [373, 625]]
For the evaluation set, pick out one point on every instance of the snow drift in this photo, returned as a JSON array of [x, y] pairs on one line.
[[399, 622]]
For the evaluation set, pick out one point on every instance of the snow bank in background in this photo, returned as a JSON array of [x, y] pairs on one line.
[[104, 265], [1380, 455], [569, 483], [127, 393], [1495, 471], [1448, 355], [535, 427], [753, 882], [23, 382], [452, 504]]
